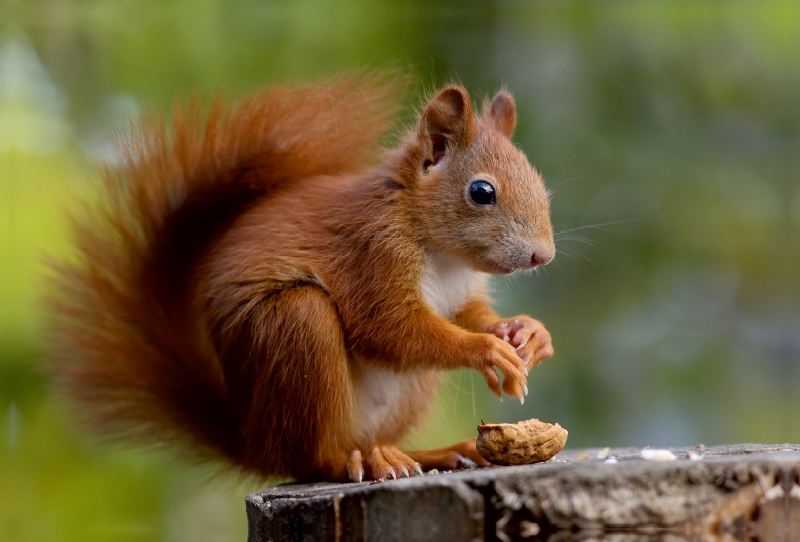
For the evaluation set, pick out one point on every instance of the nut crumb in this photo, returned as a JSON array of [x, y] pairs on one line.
[[528, 529], [658, 455]]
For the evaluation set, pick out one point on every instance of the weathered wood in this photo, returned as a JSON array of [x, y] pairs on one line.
[[734, 493]]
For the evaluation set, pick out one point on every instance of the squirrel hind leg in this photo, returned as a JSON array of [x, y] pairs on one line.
[[289, 370]]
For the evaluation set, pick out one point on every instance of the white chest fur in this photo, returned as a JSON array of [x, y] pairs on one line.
[[447, 284], [381, 392]]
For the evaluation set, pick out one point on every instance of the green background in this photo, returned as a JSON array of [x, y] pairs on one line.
[[670, 132]]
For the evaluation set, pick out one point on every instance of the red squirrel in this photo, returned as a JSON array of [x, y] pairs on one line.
[[250, 286]]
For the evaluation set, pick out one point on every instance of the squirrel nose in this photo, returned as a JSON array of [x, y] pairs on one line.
[[540, 258]]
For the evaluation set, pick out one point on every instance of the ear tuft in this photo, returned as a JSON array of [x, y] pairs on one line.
[[446, 120], [502, 113]]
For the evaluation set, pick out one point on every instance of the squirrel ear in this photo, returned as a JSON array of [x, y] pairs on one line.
[[446, 120], [502, 112]]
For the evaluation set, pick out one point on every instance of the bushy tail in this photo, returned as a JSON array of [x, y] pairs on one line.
[[126, 344]]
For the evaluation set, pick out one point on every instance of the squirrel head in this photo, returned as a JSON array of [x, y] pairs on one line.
[[475, 196]]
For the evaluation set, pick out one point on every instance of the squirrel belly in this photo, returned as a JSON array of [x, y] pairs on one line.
[[252, 287], [389, 404]]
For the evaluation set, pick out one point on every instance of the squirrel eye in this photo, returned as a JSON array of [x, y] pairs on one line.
[[482, 193]]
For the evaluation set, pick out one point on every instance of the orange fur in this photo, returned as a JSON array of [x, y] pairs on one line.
[[246, 288]]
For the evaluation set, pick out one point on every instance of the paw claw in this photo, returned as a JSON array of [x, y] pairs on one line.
[[355, 467]]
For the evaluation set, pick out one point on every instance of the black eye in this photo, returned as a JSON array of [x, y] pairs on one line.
[[482, 193]]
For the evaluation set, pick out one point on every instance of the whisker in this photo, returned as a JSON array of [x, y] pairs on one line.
[[590, 242], [586, 242], [577, 255], [596, 226], [566, 181], [472, 385], [578, 237], [567, 254]]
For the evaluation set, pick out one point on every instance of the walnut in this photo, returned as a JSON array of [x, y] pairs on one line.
[[530, 441]]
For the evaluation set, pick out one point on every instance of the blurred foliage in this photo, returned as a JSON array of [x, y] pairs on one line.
[[669, 131]]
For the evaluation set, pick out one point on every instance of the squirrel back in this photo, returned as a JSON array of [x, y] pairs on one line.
[[129, 347]]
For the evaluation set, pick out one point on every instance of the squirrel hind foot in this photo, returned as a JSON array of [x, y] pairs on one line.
[[462, 455], [388, 462], [380, 464]]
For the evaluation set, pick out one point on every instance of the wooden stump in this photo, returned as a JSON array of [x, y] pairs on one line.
[[734, 493]]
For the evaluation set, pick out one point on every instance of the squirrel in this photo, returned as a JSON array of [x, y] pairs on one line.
[[258, 282]]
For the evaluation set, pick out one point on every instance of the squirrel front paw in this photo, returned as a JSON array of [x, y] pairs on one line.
[[528, 336], [490, 352]]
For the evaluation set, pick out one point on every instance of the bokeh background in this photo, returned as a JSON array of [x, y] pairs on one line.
[[669, 131]]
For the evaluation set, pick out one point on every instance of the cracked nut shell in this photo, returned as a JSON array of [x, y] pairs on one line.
[[530, 441]]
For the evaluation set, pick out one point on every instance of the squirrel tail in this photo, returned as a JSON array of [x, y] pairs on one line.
[[127, 343]]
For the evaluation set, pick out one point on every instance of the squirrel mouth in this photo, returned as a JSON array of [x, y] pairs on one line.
[[506, 269], [503, 270]]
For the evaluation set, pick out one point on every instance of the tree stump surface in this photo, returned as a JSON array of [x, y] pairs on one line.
[[736, 493]]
